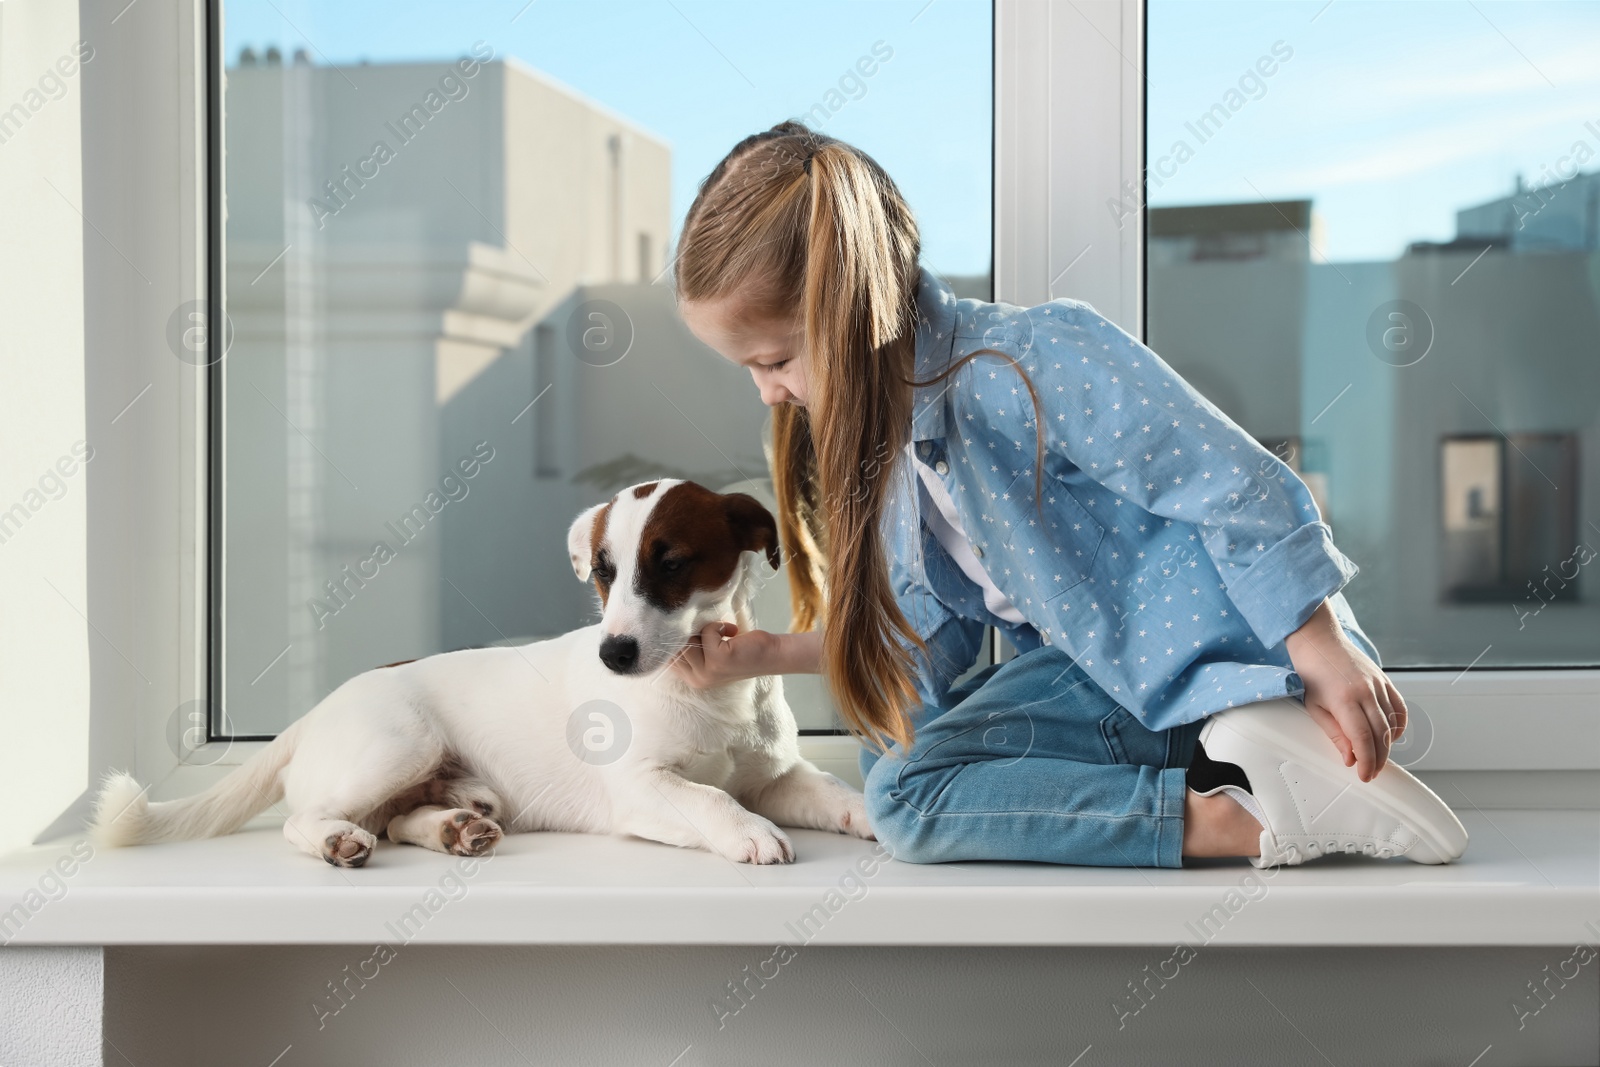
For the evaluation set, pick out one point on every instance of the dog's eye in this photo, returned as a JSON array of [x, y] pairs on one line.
[[672, 564], [604, 571]]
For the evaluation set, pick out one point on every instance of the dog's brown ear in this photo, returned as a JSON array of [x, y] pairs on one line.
[[754, 528]]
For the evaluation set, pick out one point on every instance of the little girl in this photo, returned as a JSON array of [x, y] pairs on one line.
[[942, 466]]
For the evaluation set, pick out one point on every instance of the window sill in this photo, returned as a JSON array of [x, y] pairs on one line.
[[1528, 878]]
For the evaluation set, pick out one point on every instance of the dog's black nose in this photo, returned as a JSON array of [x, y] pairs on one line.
[[619, 653]]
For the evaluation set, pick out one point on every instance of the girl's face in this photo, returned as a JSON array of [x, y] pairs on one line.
[[773, 350]]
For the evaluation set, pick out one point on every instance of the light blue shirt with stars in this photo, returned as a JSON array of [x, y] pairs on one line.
[[1167, 551]]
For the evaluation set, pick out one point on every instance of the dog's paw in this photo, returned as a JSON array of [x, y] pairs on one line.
[[469, 793], [348, 848], [853, 819], [466, 833], [762, 844]]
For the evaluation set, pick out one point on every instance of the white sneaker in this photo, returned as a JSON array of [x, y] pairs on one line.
[[1313, 804]]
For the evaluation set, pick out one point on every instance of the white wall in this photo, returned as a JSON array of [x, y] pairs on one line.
[[51, 1001], [44, 637]]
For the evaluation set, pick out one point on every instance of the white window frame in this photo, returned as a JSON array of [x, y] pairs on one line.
[[1069, 138], [1069, 113], [143, 199]]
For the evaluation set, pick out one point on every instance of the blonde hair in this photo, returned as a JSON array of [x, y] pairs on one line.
[[794, 219]]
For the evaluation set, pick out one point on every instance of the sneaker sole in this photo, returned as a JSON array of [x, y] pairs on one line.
[[1289, 729]]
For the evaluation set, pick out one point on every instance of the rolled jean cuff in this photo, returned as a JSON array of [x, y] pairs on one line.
[[1170, 796]]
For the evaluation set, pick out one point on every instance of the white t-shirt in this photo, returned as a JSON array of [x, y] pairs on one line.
[[945, 525]]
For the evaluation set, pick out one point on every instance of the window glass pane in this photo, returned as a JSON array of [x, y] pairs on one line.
[[1374, 234], [447, 236]]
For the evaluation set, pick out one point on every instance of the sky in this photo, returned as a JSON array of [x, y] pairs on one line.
[[703, 74], [1389, 116]]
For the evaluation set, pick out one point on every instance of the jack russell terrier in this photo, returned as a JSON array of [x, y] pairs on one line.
[[589, 732]]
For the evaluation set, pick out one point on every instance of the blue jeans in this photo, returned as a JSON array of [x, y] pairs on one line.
[[1031, 760]]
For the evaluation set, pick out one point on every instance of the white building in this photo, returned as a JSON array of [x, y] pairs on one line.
[[413, 256]]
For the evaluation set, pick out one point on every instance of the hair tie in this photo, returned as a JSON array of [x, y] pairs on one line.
[[807, 165]]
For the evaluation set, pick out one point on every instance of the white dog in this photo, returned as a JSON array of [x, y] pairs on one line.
[[587, 732]]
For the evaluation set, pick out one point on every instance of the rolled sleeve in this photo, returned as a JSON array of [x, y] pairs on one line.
[[1290, 580]]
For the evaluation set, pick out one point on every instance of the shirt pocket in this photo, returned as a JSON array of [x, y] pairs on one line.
[[1067, 543]]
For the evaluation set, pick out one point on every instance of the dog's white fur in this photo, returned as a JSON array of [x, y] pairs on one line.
[[449, 751]]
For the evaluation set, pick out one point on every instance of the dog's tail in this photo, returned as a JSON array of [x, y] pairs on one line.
[[123, 815]]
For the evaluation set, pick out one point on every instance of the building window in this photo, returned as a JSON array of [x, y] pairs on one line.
[[1509, 533]]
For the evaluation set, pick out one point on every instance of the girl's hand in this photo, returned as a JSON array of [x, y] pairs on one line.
[[720, 654], [1346, 693]]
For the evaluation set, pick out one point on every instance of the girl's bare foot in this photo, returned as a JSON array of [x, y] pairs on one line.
[[1218, 825]]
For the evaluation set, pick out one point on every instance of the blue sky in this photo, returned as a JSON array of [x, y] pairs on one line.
[[702, 74], [1390, 116]]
